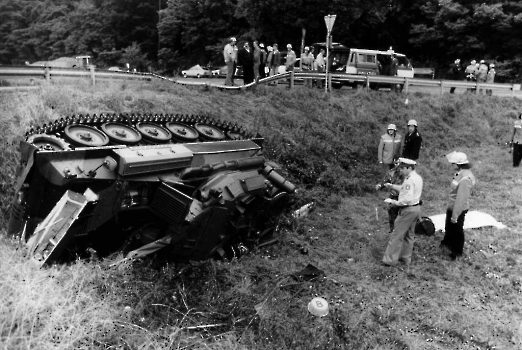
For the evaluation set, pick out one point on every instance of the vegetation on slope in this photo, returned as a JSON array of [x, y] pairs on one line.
[[327, 144]]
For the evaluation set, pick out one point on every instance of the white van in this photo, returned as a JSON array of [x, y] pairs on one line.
[[364, 62]]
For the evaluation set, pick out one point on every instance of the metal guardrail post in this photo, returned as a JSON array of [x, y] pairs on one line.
[[47, 72], [441, 87], [292, 79], [93, 77], [406, 84], [367, 83]]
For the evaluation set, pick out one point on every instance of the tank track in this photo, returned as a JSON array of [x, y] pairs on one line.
[[132, 129]]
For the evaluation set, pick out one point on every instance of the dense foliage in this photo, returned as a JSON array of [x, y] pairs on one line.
[[176, 33]]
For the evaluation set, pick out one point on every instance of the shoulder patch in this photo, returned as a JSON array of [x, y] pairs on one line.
[[407, 187]]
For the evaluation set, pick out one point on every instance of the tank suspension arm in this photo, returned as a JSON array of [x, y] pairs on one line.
[[236, 164]]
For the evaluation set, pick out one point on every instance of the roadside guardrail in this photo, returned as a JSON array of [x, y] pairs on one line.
[[365, 81]]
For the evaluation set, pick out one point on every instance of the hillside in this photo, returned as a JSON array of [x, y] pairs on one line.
[[327, 144]]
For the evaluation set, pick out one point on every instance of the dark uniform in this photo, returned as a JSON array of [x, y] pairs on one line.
[[395, 178], [411, 145], [458, 204]]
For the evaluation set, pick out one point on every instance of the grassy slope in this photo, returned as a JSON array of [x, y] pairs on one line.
[[328, 145]]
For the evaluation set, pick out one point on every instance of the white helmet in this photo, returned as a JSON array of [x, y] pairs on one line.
[[289, 46], [412, 122], [457, 158], [392, 127]]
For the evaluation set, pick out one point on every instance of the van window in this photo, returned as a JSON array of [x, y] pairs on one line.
[[403, 61], [352, 59], [365, 58]]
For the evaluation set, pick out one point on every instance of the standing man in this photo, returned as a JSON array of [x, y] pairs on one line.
[[482, 73], [400, 245], [307, 62], [394, 67], [454, 73], [276, 61], [320, 65], [290, 58], [516, 141], [228, 54], [490, 79], [257, 60], [262, 65], [389, 147], [412, 141], [470, 72], [458, 204], [245, 59]]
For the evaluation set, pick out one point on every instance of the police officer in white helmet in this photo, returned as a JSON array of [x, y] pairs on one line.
[[389, 148], [412, 141], [458, 205]]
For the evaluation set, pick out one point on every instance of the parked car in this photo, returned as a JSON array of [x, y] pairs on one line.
[[196, 71], [222, 72], [116, 69]]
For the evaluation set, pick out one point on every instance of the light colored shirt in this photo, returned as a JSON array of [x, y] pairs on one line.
[[461, 186], [307, 60], [319, 61], [290, 57], [228, 53], [517, 132], [411, 190]]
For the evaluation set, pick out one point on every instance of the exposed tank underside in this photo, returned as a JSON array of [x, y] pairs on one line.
[[189, 188]]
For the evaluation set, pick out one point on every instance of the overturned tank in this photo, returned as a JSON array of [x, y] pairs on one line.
[[188, 188]]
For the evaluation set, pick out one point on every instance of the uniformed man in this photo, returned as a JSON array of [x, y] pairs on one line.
[[412, 141], [290, 58], [400, 245], [389, 148], [307, 61], [516, 141], [460, 191], [471, 72]]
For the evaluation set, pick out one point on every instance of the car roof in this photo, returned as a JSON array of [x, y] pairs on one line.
[[379, 52], [335, 46]]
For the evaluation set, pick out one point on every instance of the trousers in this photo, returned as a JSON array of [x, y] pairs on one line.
[[400, 245], [454, 235]]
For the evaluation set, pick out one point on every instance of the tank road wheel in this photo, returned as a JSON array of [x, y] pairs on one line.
[[209, 132], [85, 136], [182, 132], [234, 135], [121, 134], [154, 133], [48, 143]]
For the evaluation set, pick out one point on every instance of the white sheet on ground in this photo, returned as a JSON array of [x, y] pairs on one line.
[[474, 219]]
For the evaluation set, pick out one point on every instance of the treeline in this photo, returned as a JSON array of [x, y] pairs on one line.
[[169, 35]]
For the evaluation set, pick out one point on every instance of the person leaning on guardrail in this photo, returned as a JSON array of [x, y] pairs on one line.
[[471, 71], [516, 141]]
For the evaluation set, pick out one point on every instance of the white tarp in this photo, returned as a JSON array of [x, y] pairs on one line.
[[474, 219]]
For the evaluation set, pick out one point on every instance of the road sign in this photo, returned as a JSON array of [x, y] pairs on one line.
[[329, 20]]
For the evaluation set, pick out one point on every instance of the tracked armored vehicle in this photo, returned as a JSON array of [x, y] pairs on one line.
[[188, 188]]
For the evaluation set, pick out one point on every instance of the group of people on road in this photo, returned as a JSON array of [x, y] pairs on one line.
[[398, 156], [481, 72], [259, 62]]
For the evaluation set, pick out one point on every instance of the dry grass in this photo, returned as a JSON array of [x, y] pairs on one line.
[[327, 144]]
